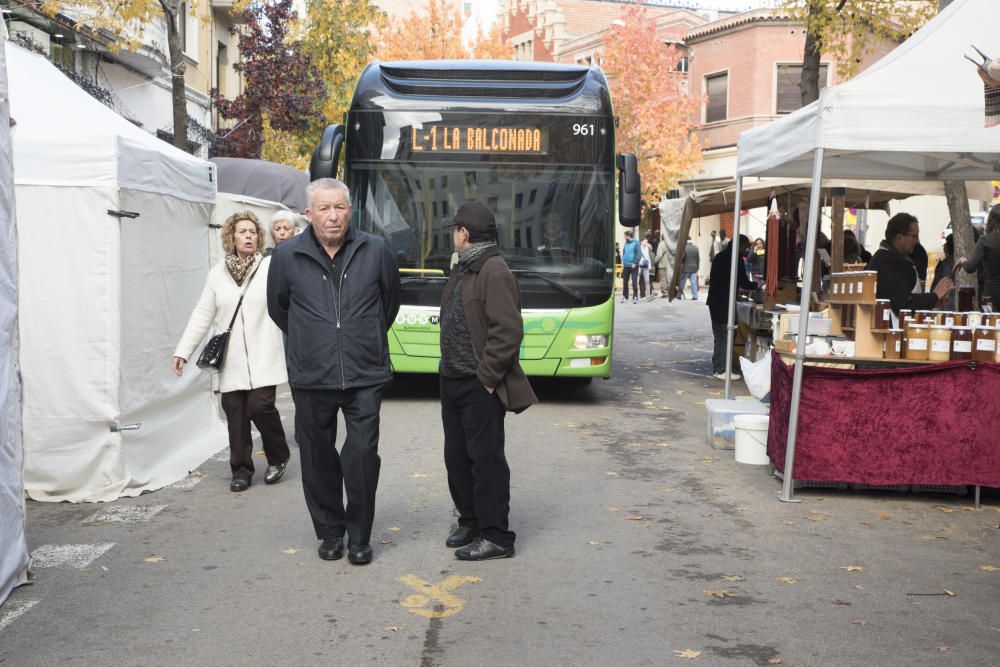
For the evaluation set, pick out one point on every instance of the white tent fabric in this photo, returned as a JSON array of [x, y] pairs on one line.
[[104, 299], [917, 114], [13, 543]]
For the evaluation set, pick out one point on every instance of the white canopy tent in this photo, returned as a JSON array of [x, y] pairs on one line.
[[113, 245], [917, 114], [13, 543]]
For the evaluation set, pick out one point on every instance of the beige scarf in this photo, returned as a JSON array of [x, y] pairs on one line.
[[239, 268]]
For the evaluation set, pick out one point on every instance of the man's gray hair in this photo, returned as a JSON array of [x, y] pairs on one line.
[[325, 184]]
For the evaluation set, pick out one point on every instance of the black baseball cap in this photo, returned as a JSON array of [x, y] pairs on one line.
[[475, 217]]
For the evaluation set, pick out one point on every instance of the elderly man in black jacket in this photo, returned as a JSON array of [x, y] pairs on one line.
[[334, 291], [898, 278]]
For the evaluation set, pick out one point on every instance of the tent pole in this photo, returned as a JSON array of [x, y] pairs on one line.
[[734, 244], [788, 481]]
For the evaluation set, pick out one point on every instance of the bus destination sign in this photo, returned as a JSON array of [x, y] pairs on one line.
[[479, 140]]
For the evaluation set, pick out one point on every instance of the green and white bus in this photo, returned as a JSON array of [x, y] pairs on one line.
[[533, 141]]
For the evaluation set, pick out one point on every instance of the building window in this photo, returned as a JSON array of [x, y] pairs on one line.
[[717, 89], [681, 65], [789, 88]]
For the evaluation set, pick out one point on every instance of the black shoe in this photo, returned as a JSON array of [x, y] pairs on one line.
[[461, 536], [483, 549], [239, 484], [359, 554], [332, 548], [274, 473]]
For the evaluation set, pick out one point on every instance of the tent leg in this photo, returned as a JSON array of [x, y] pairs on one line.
[[734, 243], [788, 482]]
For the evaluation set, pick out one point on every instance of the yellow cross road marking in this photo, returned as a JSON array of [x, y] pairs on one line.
[[435, 600]]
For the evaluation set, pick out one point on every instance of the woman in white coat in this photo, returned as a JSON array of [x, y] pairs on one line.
[[254, 361]]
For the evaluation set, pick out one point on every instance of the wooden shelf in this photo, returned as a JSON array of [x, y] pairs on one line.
[[838, 301]]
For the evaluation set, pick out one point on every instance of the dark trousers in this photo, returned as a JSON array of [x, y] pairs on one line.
[[478, 475], [719, 349], [630, 273], [257, 406], [326, 474]]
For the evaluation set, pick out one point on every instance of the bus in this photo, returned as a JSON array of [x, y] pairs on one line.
[[535, 142]]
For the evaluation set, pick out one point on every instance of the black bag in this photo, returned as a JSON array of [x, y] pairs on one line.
[[214, 352]]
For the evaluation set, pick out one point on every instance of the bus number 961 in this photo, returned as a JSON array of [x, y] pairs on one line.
[[582, 129]]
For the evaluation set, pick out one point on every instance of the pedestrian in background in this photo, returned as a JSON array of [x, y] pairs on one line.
[[689, 268], [254, 361], [283, 227], [481, 379], [645, 266], [335, 292], [630, 266], [713, 246], [719, 299], [987, 256]]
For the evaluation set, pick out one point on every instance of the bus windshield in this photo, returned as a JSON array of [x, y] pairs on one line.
[[553, 224]]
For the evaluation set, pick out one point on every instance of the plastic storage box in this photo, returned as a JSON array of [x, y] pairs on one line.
[[721, 431]]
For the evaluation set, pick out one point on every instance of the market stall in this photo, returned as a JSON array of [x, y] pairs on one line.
[[918, 114]]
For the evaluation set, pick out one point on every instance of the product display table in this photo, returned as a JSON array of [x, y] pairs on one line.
[[927, 424]]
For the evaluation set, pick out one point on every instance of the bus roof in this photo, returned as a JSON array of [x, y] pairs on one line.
[[481, 85]]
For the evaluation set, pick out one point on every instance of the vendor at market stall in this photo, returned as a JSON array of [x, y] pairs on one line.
[[897, 274]]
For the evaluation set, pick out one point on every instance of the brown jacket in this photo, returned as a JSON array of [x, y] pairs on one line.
[[492, 304]]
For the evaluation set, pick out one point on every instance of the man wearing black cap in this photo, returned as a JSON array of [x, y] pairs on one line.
[[481, 380]]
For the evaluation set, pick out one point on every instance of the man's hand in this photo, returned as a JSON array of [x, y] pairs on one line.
[[178, 365], [944, 286]]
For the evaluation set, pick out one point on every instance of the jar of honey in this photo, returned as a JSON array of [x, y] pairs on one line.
[[961, 343], [904, 313], [940, 336], [973, 319], [883, 315], [966, 298], [984, 344], [867, 282], [959, 319], [893, 346], [918, 343]]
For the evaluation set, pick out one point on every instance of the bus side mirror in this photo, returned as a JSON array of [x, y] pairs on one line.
[[629, 190], [326, 157]]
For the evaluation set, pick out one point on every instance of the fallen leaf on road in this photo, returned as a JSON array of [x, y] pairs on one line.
[[706, 461], [842, 603], [394, 529], [706, 515], [715, 393], [989, 568], [733, 577], [688, 653], [667, 489], [774, 661], [635, 517], [386, 540], [860, 588], [593, 542], [816, 516], [859, 621], [699, 402], [197, 473], [85, 569], [885, 515], [418, 475], [944, 648], [949, 593], [786, 580], [680, 392], [852, 568], [663, 444], [968, 509], [933, 537], [258, 454], [154, 559], [946, 510], [614, 509], [393, 628], [289, 551], [788, 523], [612, 474], [720, 593]]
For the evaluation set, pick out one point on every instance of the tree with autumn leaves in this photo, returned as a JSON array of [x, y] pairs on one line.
[[436, 34], [656, 113]]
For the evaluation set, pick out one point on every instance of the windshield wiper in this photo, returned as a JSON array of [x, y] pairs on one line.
[[565, 289]]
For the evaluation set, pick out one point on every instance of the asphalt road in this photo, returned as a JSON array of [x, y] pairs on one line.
[[638, 544]]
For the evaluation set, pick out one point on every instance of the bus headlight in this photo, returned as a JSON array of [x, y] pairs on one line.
[[584, 342]]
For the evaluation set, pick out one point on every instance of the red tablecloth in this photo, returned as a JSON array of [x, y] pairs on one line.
[[934, 424]]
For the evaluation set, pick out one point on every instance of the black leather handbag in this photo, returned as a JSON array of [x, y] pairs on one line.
[[214, 352]]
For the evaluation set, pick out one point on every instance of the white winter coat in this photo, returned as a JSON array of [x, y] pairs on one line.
[[255, 356]]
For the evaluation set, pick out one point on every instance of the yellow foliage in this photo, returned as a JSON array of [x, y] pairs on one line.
[[282, 147]]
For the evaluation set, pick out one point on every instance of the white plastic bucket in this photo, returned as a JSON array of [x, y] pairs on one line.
[[751, 439]]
